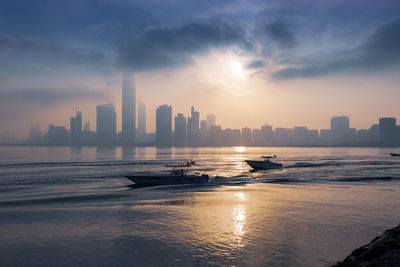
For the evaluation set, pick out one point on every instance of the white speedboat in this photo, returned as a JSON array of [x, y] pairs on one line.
[[176, 176], [267, 163]]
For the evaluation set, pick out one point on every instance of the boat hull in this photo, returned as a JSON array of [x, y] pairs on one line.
[[263, 165], [167, 179], [395, 154]]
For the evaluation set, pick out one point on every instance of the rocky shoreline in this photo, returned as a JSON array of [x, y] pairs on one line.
[[383, 250]]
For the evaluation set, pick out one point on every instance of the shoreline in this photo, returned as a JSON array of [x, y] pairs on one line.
[[383, 250]]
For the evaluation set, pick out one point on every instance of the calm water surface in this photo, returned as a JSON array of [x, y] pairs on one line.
[[64, 206]]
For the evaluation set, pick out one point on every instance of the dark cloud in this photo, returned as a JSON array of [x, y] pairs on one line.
[[40, 51], [281, 32], [48, 96], [256, 64], [173, 46], [380, 51]]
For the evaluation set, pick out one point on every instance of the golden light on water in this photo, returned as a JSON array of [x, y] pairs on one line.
[[240, 149], [239, 218]]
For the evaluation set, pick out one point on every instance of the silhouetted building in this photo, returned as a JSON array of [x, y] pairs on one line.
[[57, 135], [164, 126], [210, 120], [284, 136], [86, 127], [35, 136], [128, 110], [193, 128], [340, 129], [268, 135], [215, 135], [106, 125], [141, 119], [245, 138], [180, 130], [76, 128], [387, 131]]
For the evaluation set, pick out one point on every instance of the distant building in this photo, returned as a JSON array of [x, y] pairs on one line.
[[340, 129], [57, 135], [284, 136], [215, 135], [141, 119], [128, 110], [245, 136], [268, 135], [106, 125], [76, 128], [193, 128], [210, 120], [180, 130], [35, 135], [387, 131], [86, 127], [325, 136], [164, 126]]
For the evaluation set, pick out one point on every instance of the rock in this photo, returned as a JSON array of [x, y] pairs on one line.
[[383, 251]]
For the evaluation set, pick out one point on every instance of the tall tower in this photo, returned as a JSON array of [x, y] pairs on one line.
[[164, 126], [128, 110], [141, 119]]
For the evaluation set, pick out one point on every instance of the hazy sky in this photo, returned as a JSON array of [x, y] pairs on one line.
[[285, 63]]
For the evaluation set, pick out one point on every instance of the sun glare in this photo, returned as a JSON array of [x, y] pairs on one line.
[[239, 149], [237, 71]]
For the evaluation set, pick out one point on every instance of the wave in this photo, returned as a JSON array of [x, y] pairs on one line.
[[341, 163], [60, 200], [82, 164]]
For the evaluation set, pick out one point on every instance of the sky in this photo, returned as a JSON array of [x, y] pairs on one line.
[[250, 62]]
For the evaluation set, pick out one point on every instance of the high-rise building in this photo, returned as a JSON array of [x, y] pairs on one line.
[[86, 126], [76, 128], [35, 136], [387, 131], [57, 135], [340, 129], [246, 136], [193, 128], [210, 120], [128, 110], [141, 131], [106, 124], [164, 126], [180, 130]]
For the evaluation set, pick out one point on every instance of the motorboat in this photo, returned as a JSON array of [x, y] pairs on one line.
[[267, 163], [395, 154], [178, 175], [187, 163]]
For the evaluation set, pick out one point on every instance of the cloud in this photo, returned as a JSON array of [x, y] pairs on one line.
[[48, 96], [14, 50], [256, 64], [380, 51], [163, 47], [281, 32]]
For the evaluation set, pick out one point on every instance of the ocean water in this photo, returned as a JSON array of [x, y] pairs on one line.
[[62, 206]]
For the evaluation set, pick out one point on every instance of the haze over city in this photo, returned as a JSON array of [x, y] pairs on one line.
[[292, 63]]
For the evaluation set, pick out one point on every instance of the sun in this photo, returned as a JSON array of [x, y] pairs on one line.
[[237, 71]]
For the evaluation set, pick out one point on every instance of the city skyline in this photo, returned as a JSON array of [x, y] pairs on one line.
[[286, 63]]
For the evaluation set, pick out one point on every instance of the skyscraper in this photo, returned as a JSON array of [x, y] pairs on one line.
[[340, 129], [76, 128], [180, 130], [210, 120], [128, 110], [193, 127], [164, 126], [141, 119], [106, 124], [387, 131]]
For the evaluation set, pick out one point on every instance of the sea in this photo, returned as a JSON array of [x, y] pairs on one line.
[[72, 206]]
